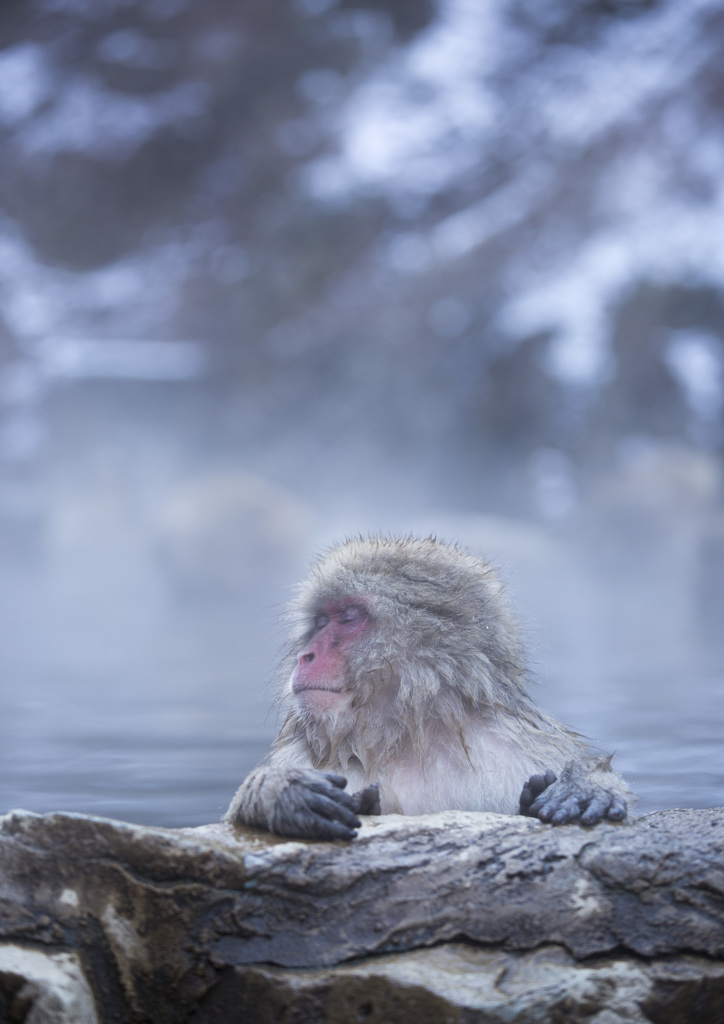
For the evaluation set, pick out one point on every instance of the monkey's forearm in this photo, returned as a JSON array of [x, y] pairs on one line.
[[301, 803]]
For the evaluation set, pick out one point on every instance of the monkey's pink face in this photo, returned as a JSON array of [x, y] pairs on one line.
[[318, 679]]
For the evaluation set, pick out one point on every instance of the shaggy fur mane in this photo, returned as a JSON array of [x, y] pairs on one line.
[[442, 652]]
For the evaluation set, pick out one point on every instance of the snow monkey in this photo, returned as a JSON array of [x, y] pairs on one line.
[[404, 677]]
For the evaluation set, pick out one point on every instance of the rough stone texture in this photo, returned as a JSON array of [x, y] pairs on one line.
[[460, 984], [44, 987], [166, 925]]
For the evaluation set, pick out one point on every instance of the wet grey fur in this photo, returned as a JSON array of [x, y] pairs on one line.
[[435, 708]]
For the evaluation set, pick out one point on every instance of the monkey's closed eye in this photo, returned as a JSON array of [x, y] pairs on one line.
[[352, 613], [320, 621]]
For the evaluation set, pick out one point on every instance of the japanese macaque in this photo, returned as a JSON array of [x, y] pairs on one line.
[[404, 681]]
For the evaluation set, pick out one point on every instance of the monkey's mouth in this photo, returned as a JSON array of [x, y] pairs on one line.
[[314, 698], [300, 686]]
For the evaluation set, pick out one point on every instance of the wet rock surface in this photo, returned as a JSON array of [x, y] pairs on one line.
[[447, 917]]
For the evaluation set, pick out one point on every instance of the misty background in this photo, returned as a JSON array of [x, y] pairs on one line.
[[275, 272]]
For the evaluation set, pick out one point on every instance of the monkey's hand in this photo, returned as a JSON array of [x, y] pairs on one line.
[[588, 791], [301, 803], [368, 800], [533, 788]]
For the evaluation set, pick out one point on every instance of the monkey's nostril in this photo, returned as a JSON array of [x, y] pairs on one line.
[[307, 658]]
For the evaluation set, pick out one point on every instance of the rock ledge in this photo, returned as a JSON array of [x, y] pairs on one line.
[[455, 916]]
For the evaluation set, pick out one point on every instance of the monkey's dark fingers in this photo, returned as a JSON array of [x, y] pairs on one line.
[[596, 810], [317, 827], [536, 784], [533, 788], [336, 780], [331, 790], [368, 800], [526, 799], [325, 807], [604, 806], [335, 830], [558, 811], [617, 810], [555, 805]]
